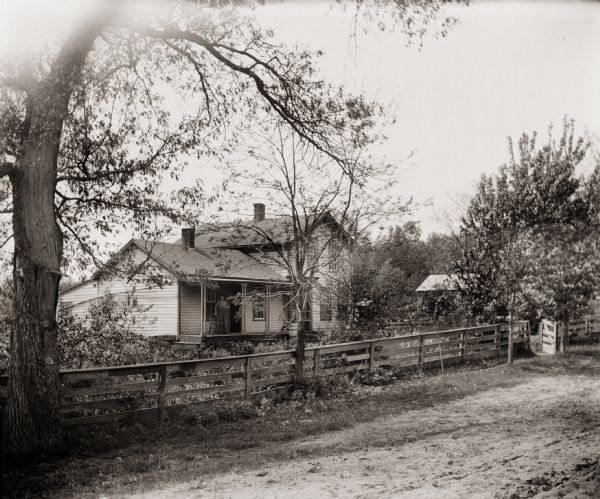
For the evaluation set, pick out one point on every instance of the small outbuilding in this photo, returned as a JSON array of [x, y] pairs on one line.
[[438, 282]]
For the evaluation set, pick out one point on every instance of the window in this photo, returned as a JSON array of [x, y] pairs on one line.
[[333, 254], [258, 308], [313, 254], [326, 306]]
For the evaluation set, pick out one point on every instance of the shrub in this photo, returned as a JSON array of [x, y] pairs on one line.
[[104, 336], [377, 377], [277, 346], [240, 348], [189, 415], [225, 411], [210, 352], [235, 411], [209, 418], [324, 386]]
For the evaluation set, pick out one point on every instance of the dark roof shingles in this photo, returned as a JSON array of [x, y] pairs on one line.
[[216, 262]]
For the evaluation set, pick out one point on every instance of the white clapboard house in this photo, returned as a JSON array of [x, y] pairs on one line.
[[236, 261]]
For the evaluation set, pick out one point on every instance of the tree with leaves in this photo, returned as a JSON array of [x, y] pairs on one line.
[[386, 271], [321, 209], [566, 274], [87, 133], [535, 198]]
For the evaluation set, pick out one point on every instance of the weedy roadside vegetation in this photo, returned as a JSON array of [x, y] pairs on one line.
[[133, 457]]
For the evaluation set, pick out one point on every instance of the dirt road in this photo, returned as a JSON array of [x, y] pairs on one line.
[[539, 439]]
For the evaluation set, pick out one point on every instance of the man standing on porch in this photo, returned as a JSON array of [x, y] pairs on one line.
[[222, 313]]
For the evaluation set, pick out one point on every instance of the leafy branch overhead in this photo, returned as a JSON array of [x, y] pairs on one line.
[[531, 232], [94, 120], [121, 136]]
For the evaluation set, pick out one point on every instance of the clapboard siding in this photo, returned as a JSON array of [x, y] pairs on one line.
[[317, 324], [160, 318], [79, 297], [276, 318]]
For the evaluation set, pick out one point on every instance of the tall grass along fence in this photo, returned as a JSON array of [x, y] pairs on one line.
[[155, 391]]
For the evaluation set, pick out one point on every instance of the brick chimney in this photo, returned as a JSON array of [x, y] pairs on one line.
[[259, 212], [188, 237]]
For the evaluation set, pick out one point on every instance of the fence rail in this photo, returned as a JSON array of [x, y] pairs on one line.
[[551, 331], [154, 391], [584, 327]]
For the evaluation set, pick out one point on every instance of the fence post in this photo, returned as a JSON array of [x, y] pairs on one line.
[[497, 339], [463, 338], [421, 338], [248, 377], [371, 355], [588, 330], [317, 361], [162, 384]]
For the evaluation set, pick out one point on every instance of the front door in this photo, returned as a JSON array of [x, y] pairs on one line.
[[235, 318]]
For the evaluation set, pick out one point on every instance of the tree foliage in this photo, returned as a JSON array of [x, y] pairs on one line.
[[530, 233], [93, 120], [386, 272], [104, 336], [320, 209]]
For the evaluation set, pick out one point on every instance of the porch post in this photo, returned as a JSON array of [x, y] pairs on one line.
[[267, 308], [202, 308], [244, 291]]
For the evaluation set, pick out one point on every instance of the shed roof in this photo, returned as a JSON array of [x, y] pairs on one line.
[[439, 282]]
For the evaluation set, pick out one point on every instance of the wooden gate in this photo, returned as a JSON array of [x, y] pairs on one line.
[[549, 334]]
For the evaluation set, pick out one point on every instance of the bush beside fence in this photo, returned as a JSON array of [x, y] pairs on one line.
[[153, 392]]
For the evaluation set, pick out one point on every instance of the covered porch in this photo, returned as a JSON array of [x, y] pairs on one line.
[[227, 309]]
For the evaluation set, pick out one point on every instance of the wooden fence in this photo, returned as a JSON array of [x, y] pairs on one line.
[[550, 331], [548, 335], [155, 391], [585, 327]]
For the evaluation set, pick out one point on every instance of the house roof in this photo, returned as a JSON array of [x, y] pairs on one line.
[[221, 250], [251, 233], [216, 262], [439, 282]]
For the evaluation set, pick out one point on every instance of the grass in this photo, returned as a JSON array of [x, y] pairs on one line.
[[135, 458]]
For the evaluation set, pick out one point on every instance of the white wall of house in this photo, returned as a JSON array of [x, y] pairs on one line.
[[159, 319], [277, 314], [319, 325], [161, 316]]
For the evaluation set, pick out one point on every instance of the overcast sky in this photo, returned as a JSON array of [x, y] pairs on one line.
[[506, 68]]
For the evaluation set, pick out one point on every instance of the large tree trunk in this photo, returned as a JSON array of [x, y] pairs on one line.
[[33, 405], [33, 408]]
